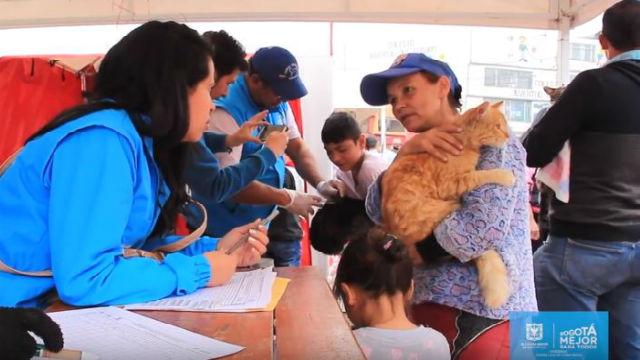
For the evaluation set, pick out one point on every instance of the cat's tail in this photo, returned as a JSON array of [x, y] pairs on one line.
[[493, 279]]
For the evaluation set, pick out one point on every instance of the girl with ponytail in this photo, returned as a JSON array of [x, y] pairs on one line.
[[374, 280]]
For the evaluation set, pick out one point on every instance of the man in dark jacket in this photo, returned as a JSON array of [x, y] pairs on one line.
[[592, 258]]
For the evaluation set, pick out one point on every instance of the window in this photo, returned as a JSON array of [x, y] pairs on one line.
[[583, 52], [515, 110], [508, 78]]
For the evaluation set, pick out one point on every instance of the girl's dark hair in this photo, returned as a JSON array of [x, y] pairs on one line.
[[228, 53], [338, 127], [148, 73], [454, 94], [621, 25], [378, 263]]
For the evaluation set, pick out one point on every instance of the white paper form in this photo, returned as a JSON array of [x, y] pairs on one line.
[[114, 333], [245, 291]]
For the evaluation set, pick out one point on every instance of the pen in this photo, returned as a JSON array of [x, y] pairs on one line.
[[244, 239], [65, 354]]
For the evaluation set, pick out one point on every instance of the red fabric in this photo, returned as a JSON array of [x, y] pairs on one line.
[[32, 92], [491, 345], [296, 108], [181, 226], [305, 256]]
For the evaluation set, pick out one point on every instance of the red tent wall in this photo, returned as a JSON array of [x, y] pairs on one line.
[[32, 92], [305, 257]]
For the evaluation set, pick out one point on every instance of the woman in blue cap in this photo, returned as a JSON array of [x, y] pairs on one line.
[[425, 96], [89, 204]]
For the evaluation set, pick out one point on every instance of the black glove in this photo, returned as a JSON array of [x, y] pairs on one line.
[[15, 341]]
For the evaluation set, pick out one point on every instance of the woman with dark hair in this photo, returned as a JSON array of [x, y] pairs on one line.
[[89, 203], [424, 95]]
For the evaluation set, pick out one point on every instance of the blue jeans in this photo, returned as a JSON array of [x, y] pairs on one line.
[[284, 253], [586, 275]]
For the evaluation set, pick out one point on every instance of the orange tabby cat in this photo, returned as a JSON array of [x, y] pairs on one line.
[[419, 191]]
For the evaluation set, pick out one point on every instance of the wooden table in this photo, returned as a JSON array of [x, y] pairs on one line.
[[253, 330], [307, 323]]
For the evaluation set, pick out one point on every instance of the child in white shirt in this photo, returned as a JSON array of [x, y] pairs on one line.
[[345, 147]]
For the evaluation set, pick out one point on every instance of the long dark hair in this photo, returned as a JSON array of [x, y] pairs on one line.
[[378, 263], [148, 73]]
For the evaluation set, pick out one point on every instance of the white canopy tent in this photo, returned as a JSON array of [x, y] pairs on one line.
[[539, 14], [561, 15]]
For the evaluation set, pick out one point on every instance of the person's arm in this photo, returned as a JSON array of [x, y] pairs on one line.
[[373, 202], [208, 180], [305, 162], [300, 154], [254, 192], [484, 218], [215, 141], [545, 139], [222, 122], [258, 193], [200, 246], [91, 193], [226, 141]]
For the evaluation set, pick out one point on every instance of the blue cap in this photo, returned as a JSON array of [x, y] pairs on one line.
[[374, 86], [278, 68]]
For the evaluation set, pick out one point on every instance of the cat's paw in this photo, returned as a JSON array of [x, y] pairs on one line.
[[504, 177]]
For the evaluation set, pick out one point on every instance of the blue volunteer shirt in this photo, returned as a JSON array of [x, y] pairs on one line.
[[72, 200], [229, 214]]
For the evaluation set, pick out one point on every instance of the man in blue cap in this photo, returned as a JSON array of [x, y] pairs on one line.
[[271, 80]]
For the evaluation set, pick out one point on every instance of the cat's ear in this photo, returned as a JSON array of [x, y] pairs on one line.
[[498, 105], [549, 90], [483, 107]]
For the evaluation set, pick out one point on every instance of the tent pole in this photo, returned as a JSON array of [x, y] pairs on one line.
[[564, 44], [383, 129]]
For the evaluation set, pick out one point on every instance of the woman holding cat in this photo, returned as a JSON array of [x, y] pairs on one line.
[[88, 205], [425, 97]]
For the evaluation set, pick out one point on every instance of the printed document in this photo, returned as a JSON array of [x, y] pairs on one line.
[[245, 291], [114, 333]]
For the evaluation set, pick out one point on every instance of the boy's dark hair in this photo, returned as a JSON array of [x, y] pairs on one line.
[[334, 225], [338, 127], [228, 53], [148, 74], [378, 263], [621, 25]]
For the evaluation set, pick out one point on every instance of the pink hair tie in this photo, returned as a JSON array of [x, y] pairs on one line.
[[387, 245]]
